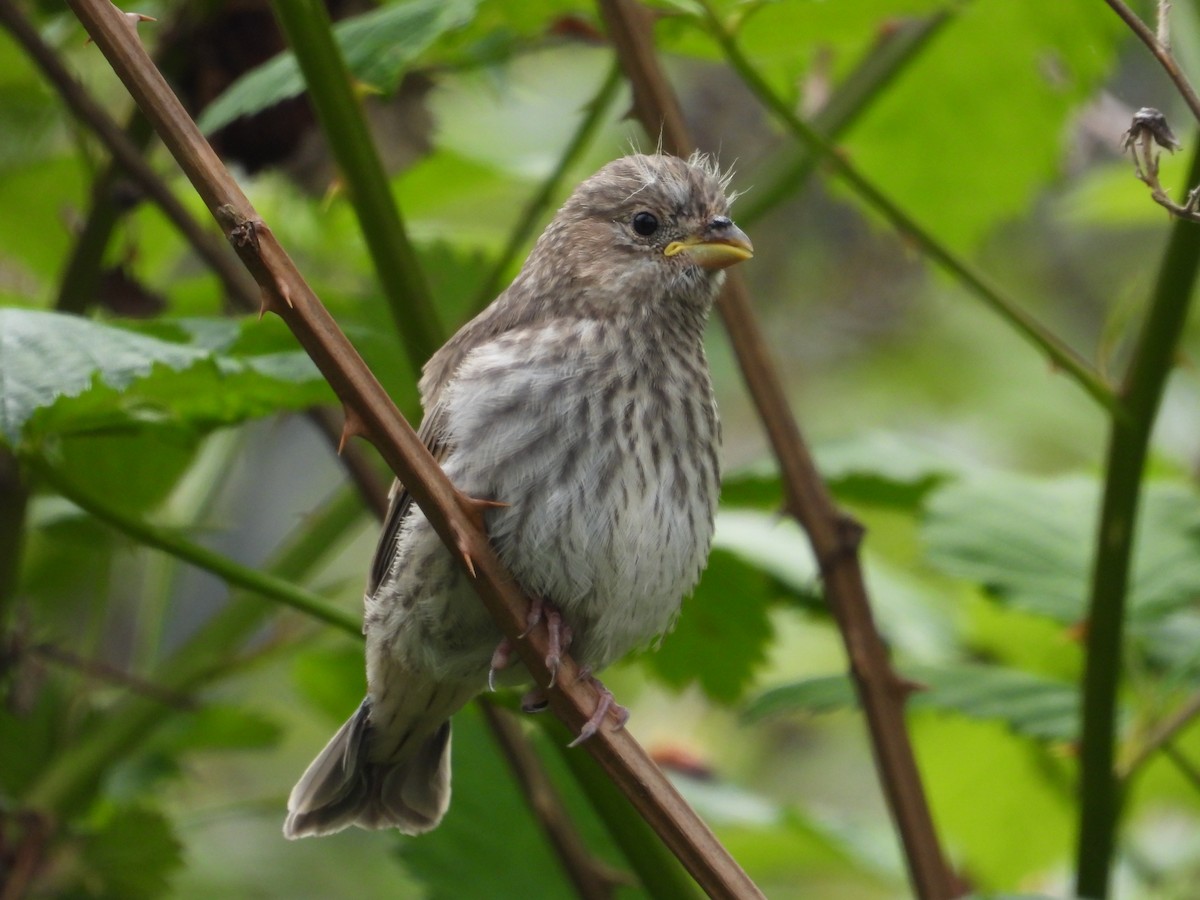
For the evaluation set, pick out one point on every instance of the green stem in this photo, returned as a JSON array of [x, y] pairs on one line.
[[169, 541], [1025, 325], [14, 499], [73, 776], [538, 203], [1129, 439], [852, 97], [331, 90]]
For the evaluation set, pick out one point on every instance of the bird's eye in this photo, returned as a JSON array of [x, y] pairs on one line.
[[645, 223]]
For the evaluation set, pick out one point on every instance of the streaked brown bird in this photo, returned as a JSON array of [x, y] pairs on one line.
[[580, 403]]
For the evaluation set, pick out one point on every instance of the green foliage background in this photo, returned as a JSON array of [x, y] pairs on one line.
[[162, 714]]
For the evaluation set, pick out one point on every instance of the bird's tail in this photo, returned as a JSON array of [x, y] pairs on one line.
[[342, 787]]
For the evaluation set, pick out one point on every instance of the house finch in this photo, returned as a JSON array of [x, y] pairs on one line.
[[580, 404]]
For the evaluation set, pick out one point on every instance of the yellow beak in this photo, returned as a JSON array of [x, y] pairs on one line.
[[716, 249]]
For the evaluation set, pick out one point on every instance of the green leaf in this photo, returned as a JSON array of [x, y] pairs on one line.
[[1028, 542], [378, 47], [331, 679], [885, 468], [218, 727], [1036, 707], [722, 633], [489, 825], [774, 545], [1004, 114], [79, 349], [132, 855], [106, 378]]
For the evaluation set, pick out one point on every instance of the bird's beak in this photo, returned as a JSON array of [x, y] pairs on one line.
[[718, 247]]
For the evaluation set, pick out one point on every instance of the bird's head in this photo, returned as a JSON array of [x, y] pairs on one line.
[[650, 226]]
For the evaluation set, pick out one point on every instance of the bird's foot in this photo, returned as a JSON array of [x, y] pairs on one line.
[[606, 704], [559, 639], [558, 633]]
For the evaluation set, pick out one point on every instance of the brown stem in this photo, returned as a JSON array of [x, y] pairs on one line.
[[370, 412], [102, 671], [1162, 735], [592, 878], [834, 536], [242, 291]]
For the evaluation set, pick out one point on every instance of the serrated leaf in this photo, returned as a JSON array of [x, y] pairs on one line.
[[1029, 543], [772, 544], [722, 632], [79, 349], [106, 378], [378, 47], [884, 468], [1028, 704], [132, 855]]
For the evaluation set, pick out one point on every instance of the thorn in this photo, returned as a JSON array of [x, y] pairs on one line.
[[285, 292], [906, 687], [336, 186], [463, 545], [132, 20], [352, 426]]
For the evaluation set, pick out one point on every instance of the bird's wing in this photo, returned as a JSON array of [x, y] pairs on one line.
[[432, 435]]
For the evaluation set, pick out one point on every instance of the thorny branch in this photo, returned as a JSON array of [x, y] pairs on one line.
[[833, 536], [371, 413]]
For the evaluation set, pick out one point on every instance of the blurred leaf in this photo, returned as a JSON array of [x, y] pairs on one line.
[[331, 679], [1028, 704], [489, 825], [378, 47], [822, 694], [31, 722], [884, 468], [144, 379], [774, 545], [217, 727], [876, 468], [131, 855], [722, 633], [1028, 542], [1031, 64]]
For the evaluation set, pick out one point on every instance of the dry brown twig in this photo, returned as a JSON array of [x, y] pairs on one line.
[[1148, 132], [834, 536], [371, 413]]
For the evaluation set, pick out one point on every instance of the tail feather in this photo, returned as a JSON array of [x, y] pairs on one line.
[[342, 788]]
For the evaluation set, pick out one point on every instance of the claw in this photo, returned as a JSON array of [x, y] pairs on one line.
[[604, 705], [554, 644], [500, 660]]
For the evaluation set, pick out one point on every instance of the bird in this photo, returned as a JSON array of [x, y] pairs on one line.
[[578, 409]]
